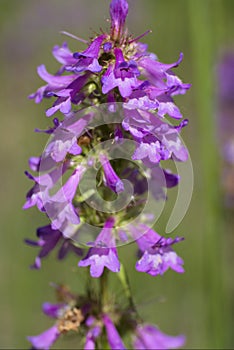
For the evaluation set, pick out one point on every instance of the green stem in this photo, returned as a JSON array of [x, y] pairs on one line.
[[123, 277], [104, 295]]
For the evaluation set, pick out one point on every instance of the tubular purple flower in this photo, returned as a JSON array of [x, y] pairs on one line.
[[124, 69], [88, 59], [45, 340], [113, 336], [157, 255], [64, 55], [118, 14], [123, 75], [35, 197], [91, 337], [59, 207], [148, 129], [150, 150], [111, 179], [137, 100], [68, 191], [53, 310], [54, 84], [38, 194], [48, 240], [68, 95], [103, 253], [65, 140], [157, 70], [149, 337]]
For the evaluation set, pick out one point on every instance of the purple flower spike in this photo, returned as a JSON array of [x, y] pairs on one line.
[[46, 339], [149, 337], [113, 336], [111, 179], [157, 255], [118, 14], [103, 253]]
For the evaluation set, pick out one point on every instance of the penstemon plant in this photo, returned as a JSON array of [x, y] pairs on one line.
[[101, 183]]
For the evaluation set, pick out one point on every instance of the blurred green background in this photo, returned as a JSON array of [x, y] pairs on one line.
[[200, 302]]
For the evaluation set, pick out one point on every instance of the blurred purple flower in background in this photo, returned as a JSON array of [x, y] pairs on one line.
[[225, 94]]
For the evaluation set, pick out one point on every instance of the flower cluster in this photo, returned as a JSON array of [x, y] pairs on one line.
[[134, 91], [76, 314]]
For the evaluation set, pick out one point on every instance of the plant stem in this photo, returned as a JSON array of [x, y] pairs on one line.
[[104, 295], [123, 277]]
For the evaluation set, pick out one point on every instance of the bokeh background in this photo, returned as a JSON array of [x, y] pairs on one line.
[[199, 303]]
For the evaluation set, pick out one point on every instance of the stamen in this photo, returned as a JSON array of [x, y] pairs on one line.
[[140, 36], [74, 37]]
